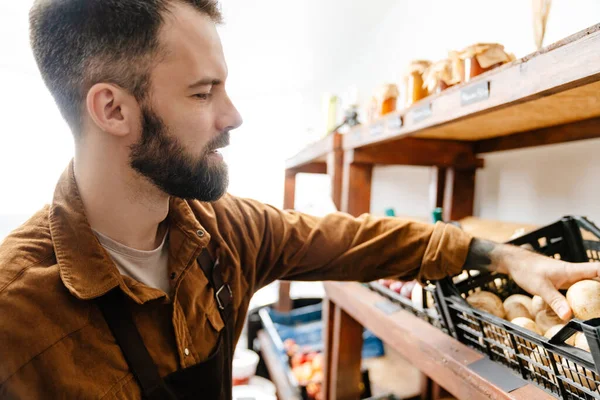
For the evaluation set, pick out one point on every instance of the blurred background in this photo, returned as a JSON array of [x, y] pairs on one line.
[[284, 56]]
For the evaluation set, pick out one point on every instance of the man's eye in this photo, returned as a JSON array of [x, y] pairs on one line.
[[202, 96]]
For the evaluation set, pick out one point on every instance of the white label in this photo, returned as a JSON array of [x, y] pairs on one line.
[[421, 113], [394, 123], [376, 129], [474, 93]]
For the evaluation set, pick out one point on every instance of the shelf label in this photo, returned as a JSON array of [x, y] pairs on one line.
[[356, 134], [388, 307], [422, 112], [394, 122], [376, 129], [475, 93]]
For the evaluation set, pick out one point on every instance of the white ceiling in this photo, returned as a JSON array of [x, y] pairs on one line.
[[275, 46]]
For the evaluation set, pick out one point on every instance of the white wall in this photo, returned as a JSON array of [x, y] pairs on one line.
[[534, 186]]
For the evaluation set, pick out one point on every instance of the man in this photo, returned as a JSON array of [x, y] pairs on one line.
[[136, 280]]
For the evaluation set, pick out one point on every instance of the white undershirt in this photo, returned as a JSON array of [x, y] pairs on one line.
[[147, 267]]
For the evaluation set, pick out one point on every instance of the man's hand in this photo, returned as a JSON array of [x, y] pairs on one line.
[[534, 273]]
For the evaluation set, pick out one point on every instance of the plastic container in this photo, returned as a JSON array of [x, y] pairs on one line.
[[305, 326], [246, 392], [244, 366], [264, 384], [560, 369]]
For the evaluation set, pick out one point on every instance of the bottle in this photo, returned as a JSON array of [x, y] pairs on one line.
[[437, 215]]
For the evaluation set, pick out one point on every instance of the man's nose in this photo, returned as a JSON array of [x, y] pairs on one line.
[[231, 118]]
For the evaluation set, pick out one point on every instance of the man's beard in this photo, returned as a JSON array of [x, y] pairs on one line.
[[162, 159]]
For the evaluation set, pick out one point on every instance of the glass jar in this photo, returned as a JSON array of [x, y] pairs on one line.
[[483, 57], [438, 76], [473, 68], [414, 89], [388, 99]]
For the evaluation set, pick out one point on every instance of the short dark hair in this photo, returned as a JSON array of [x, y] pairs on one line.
[[78, 43]]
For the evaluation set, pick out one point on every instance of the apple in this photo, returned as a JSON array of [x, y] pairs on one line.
[[317, 376], [297, 360], [302, 373], [313, 389], [310, 356], [317, 362]]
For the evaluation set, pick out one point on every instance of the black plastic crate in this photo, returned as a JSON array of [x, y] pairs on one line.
[[431, 312], [560, 369]]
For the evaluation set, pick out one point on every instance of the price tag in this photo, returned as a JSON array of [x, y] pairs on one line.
[[376, 129], [388, 307], [475, 93], [394, 123], [421, 113]]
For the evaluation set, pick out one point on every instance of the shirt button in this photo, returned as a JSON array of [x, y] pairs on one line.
[[173, 275], [186, 351], [200, 233]]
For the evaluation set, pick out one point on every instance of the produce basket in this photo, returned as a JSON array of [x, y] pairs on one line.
[[563, 370], [305, 326], [429, 310]]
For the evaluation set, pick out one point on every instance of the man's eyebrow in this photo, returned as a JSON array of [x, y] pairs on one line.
[[205, 82]]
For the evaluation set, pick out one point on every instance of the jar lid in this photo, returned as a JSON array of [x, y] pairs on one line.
[[457, 67], [438, 71], [418, 66], [388, 91], [487, 54]]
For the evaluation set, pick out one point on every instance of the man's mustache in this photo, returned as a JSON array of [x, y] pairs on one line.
[[220, 141]]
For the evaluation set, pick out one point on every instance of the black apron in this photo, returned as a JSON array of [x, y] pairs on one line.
[[211, 379]]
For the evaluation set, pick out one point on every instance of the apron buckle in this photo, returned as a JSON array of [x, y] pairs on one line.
[[222, 303]]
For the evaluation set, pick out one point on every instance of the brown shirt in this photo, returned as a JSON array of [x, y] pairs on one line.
[[54, 342]]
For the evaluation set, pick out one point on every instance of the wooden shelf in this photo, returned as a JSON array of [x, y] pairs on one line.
[[315, 153], [557, 86], [436, 354], [279, 377]]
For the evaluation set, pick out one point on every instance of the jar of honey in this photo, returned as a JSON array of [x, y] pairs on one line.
[[387, 99], [483, 57], [413, 88], [438, 76]]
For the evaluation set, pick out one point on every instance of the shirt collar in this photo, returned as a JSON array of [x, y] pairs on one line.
[[86, 269]]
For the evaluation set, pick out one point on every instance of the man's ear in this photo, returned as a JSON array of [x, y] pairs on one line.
[[112, 108]]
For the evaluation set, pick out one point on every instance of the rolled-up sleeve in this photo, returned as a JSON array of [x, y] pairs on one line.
[[293, 246]]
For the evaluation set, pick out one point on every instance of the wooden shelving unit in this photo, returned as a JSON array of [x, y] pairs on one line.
[[549, 97], [325, 156]]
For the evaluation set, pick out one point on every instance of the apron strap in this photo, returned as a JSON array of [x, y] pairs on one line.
[[223, 293], [119, 319], [224, 299]]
